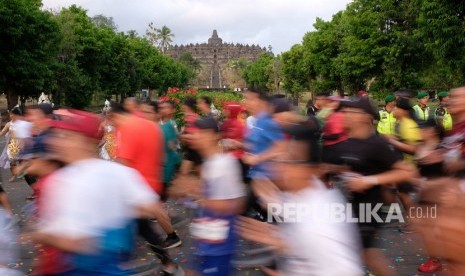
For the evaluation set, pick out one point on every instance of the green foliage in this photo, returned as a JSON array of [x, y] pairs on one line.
[[219, 99], [96, 60], [382, 46], [256, 74], [28, 49], [76, 57]]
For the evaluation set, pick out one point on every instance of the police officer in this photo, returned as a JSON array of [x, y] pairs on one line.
[[387, 121], [442, 116], [421, 109]]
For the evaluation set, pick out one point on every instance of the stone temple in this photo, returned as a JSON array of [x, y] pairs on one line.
[[214, 57]]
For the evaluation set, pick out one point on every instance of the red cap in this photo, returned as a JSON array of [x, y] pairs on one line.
[[83, 122]]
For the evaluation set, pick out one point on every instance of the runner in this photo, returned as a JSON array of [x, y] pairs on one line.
[[132, 105], [220, 199], [9, 249], [371, 157], [192, 159], [140, 146], [17, 130], [406, 141], [233, 134], [41, 163], [170, 132], [307, 243], [99, 234]]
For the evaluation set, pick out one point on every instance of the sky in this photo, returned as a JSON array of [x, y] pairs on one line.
[[279, 23]]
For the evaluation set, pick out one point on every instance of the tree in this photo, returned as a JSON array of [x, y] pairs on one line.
[[295, 73], [257, 73], [164, 38], [78, 71], [152, 35], [102, 21], [440, 28], [28, 49], [188, 60]]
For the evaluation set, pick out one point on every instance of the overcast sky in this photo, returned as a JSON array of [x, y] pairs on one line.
[[279, 23]]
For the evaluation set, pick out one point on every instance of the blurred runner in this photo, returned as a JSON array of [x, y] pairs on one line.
[[100, 233], [220, 199], [41, 163], [369, 156], [192, 159], [307, 243], [170, 133], [407, 138], [233, 134], [140, 146], [9, 247]]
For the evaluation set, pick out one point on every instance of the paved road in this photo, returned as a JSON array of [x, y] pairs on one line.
[[405, 251]]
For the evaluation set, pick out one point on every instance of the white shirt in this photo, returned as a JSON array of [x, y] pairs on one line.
[[90, 196], [21, 129], [222, 178], [316, 245]]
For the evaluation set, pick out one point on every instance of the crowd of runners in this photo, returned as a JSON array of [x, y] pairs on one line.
[[315, 188]]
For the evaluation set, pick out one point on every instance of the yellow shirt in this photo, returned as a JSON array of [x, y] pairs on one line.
[[408, 132]]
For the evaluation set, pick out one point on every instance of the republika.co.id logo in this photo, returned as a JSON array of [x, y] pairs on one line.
[[345, 212]]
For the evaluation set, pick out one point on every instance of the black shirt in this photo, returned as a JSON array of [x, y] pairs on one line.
[[312, 110], [367, 157]]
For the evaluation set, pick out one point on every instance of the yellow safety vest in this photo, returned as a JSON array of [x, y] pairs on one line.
[[445, 117], [420, 114], [387, 123]]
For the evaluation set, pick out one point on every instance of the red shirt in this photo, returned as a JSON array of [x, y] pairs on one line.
[[234, 129], [49, 259], [333, 130], [140, 143]]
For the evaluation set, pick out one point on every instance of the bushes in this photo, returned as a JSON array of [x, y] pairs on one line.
[[219, 99]]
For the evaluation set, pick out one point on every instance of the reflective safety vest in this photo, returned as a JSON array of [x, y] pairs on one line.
[[421, 114], [387, 123], [442, 114]]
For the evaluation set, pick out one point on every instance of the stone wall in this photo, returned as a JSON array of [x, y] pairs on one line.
[[214, 57]]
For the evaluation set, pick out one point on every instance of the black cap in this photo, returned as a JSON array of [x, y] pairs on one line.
[[360, 103], [207, 122], [46, 108], [404, 104]]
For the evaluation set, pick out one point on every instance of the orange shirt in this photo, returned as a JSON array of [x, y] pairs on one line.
[[140, 144]]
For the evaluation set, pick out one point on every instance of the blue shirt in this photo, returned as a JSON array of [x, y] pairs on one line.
[[261, 138]]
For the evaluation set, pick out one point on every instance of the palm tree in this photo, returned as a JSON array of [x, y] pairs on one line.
[[152, 34], [165, 38]]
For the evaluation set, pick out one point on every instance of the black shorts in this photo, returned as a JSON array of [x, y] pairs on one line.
[[192, 155], [1, 189], [368, 232]]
